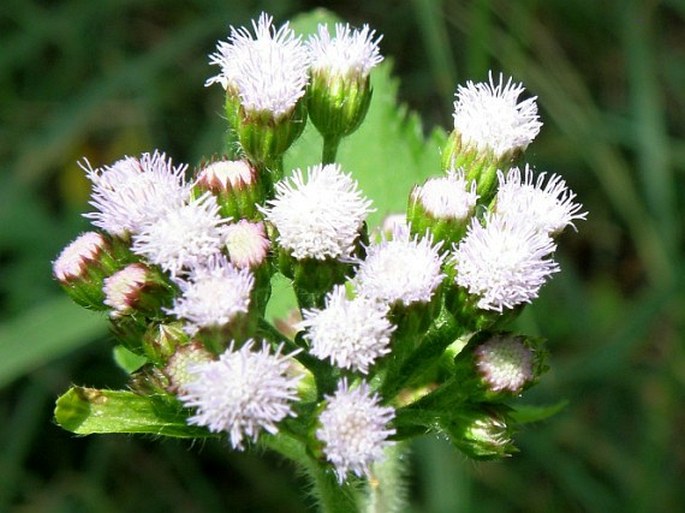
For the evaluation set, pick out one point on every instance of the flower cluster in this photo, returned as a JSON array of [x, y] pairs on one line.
[[184, 263]]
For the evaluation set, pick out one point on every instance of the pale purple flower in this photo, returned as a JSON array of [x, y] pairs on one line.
[[350, 53], [247, 243], [318, 216], [548, 206], [490, 117], [269, 70], [402, 270], [242, 393], [354, 428], [212, 295], [133, 193], [352, 333], [184, 237], [503, 262]]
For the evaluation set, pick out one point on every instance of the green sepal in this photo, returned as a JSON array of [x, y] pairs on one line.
[[338, 104], [480, 166], [88, 411], [265, 139]]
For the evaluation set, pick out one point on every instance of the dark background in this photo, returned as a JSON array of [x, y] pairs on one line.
[[103, 78]]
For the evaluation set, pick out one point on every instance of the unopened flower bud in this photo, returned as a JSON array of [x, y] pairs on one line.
[[136, 289], [247, 244], [340, 89], [499, 366], [235, 186], [82, 267], [443, 206], [161, 341], [184, 358], [482, 434]]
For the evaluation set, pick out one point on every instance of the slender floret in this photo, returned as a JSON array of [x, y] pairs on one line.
[[447, 197], [319, 216], [134, 193], [504, 262], [548, 206], [354, 429], [351, 52], [505, 363], [352, 333], [489, 116], [183, 238], [242, 393], [212, 295], [402, 270], [268, 70]]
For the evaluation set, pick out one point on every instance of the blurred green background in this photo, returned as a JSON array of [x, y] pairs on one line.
[[103, 78]]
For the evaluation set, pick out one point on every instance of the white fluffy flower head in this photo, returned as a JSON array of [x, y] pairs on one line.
[[548, 206], [350, 53], [504, 263], [183, 238], [242, 393], [352, 333], [402, 270], [212, 295], [269, 71], [505, 363], [318, 217], [448, 197], [72, 262], [489, 116], [354, 429], [133, 193]]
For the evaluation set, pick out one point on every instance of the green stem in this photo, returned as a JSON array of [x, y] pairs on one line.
[[330, 149], [443, 332], [332, 497], [386, 490]]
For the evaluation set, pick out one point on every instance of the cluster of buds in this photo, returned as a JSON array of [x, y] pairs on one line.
[[397, 334]]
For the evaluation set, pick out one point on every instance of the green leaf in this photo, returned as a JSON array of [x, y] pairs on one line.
[[128, 360], [388, 154], [525, 414], [87, 411], [48, 331]]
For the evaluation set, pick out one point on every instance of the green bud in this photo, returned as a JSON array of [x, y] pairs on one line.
[[178, 368], [161, 341], [263, 137], [499, 366], [481, 433], [338, 103], [478, 165]]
